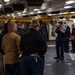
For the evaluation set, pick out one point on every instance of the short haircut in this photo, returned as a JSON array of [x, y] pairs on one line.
[[34, 23], [11, 23], [60, 22]]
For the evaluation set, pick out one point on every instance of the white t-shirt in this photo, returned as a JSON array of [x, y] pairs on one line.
[[64, 26]]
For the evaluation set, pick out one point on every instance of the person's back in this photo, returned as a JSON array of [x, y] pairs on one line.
[[31, 42], [34, 47], [10, 49], [3, 31], [10, 45]]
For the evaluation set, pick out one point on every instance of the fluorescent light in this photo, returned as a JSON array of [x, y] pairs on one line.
[[0, 5], [39, 12], [44, 6], [7, 3], [71, 19], [70, 2], [36, 9], [49, 10], [19, 13], [72, 12], [62, 19], [66, 7], [24, 10], [74, 20], [63, 13], [31, 12], [8, 15], [13, 15], [49, 14], [6, 0], [24, 14]]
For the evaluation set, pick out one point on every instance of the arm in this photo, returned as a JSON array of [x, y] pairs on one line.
[[42, 46], [2, 47], [18, 44], [22, 43], [57, 30]]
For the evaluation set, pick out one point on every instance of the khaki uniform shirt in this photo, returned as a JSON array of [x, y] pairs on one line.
[[10, 45]]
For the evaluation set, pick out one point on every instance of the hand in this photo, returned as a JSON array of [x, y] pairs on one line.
[[20, 55], [62, 31]]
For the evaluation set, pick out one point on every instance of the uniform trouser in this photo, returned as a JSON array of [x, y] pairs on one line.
[[66, 45], [12, 69], [30, 67], [73, 45], [60, 49]]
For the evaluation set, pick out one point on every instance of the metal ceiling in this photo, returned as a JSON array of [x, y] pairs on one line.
[[54, 4]]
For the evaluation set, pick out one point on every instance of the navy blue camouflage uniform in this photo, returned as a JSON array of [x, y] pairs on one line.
[[60, 43]]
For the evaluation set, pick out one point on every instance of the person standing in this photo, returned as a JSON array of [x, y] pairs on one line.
[[60, 30], [10, 45], [67, 36], [21, 28], [73, 38], [4, 30], [34, 47]]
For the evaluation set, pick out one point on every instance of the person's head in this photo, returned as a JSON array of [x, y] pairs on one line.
[[5, 27], [64, 22], [1, 28], [35, 25], [41, 23], [12, 26], [73, 26], [21, 25], [60, 23]]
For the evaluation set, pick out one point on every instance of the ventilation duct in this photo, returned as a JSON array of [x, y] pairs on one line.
[[8, 10], [18, 7], [55, 12], [42, 14], [34, 2], [73, 17], [71, 9]]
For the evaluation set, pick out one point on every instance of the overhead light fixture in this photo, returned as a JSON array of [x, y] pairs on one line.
[[63, 13], [7, 3], [24, 10], [8, 15], [13, 15], [72, 12], [0, 5], [31, 13], [6, 0], [70, 2], [62, 19], [49, 10], [72, 19], [44, 6], [36, 9], [19, 13], [24, 14], [39, 12], [49, 14], [66, 7]]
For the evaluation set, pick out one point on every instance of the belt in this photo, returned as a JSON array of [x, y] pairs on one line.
[[35, 55]]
